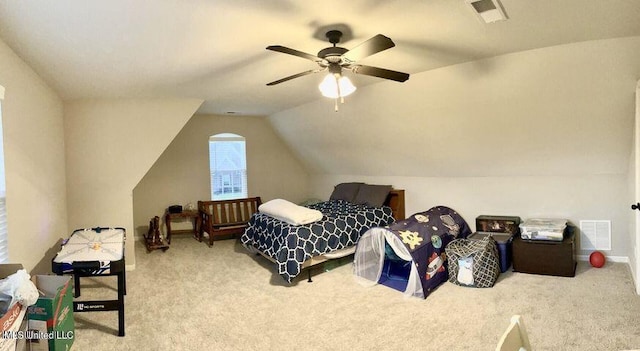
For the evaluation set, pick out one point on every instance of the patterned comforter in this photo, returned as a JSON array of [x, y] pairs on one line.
[[289, 245]]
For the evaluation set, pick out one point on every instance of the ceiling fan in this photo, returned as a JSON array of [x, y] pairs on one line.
[[335, 59]]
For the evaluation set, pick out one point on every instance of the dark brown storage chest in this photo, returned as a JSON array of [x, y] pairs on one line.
[[546, 257]]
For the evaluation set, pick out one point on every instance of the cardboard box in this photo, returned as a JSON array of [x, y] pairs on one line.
[[21, 343], [11, 321], [51, 324]]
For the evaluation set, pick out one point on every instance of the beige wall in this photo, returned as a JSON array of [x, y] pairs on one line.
[[32, 124], [110, 145], [181, 174], [545, 132], [572, 197]]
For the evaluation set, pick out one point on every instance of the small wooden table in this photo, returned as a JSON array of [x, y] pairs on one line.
[[184, 215]]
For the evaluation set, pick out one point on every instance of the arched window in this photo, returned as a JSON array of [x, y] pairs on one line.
[[228, 165]]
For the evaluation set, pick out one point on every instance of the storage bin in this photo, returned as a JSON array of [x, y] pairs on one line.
[[498, 224], [504, 244], [543, 229]]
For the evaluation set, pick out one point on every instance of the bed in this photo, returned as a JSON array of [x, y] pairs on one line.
[[345, 217]]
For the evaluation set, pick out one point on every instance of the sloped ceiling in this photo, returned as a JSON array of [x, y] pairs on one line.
[[558, 111], [215, 50]]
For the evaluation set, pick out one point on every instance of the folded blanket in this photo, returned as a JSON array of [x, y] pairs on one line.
[[289, 212]]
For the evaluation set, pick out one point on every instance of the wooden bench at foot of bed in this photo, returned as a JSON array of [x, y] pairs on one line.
[[225, 217]]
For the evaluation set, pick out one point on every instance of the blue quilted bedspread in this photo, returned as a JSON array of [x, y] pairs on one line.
[[290, 245]]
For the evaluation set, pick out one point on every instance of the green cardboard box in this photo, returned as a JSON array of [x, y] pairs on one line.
[[51, 324]]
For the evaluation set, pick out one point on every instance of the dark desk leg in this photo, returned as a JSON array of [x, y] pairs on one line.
[[196, 227], [167, 221], [76, 285], [199, 227], [121, 292]]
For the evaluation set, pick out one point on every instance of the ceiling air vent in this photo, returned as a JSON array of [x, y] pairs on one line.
[[489, 11], [595, 235]]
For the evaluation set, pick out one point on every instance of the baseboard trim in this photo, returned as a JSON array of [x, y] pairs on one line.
[[619, 259], [130, 267]]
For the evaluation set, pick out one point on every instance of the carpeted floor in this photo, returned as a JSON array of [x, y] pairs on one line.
[[193, 297]]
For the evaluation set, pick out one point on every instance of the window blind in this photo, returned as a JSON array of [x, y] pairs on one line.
[[228, 166], [4, 244]]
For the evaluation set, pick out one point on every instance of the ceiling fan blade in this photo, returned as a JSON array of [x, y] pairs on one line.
[[295, 76], [380, 72], [286, 50], [372, 46]]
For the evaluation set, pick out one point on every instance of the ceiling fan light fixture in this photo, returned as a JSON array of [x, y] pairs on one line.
[[336, 86], [335, 59]]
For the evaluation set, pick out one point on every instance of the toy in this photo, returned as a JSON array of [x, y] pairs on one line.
[[153, 239], [597, 259]]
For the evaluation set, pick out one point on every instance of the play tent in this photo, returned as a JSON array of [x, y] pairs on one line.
[[409, 255]]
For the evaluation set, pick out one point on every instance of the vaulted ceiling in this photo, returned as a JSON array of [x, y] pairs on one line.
[[215, 50]]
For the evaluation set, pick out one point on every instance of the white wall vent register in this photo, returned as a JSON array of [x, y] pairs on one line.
[[595, 235]]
